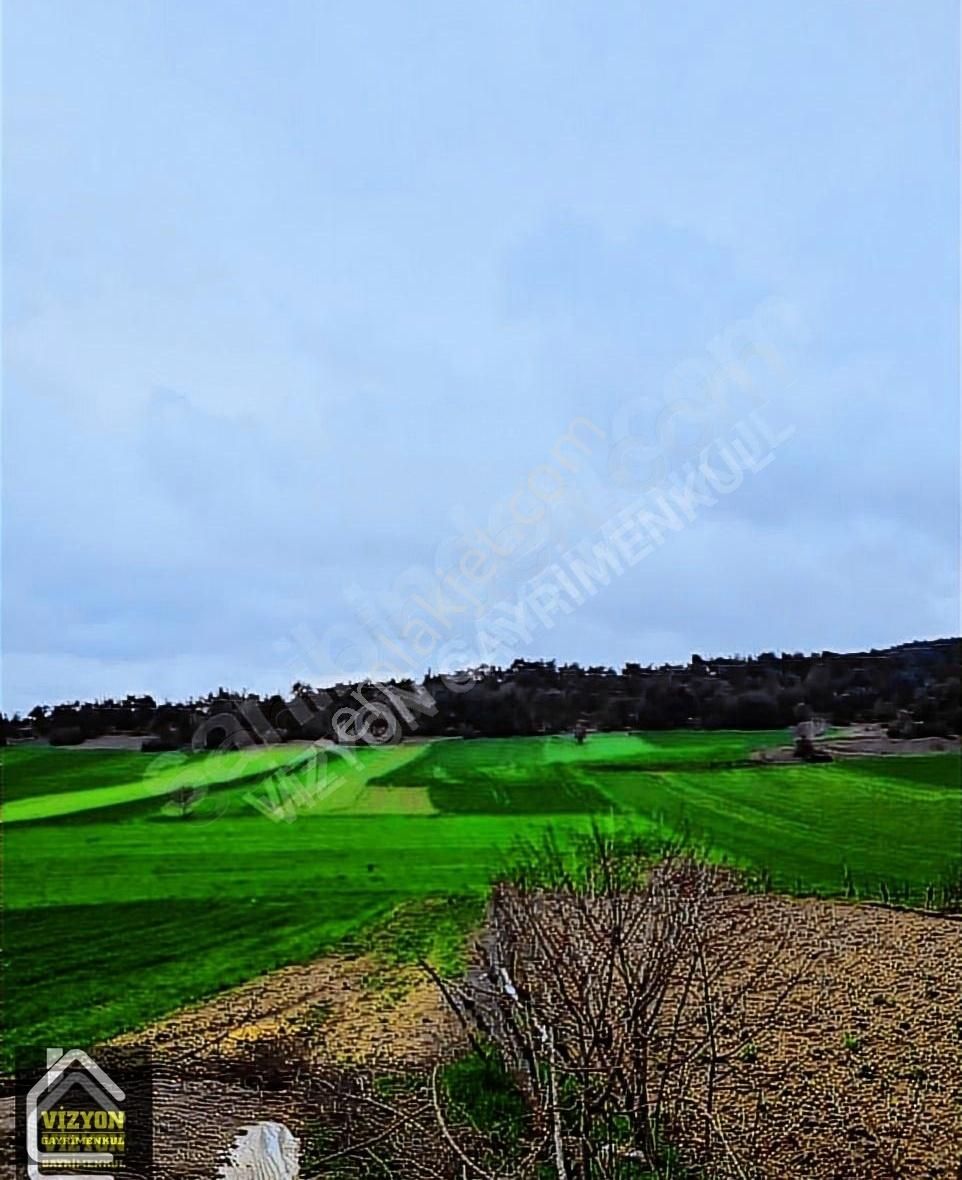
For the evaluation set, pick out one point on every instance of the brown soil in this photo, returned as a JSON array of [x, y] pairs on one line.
[[248, 1055], [342, 1011], [859, 1073]]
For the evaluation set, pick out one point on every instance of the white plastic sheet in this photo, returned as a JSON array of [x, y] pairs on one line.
[[263, 1151]]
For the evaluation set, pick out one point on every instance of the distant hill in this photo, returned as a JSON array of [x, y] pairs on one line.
[[913, 688]]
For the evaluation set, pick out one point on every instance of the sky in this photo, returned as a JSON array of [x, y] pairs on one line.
[[309, 308]]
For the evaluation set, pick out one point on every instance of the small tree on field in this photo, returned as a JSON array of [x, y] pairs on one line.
[[184, 799]]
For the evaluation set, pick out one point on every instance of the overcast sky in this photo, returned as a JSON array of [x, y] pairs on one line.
[[299, 295]]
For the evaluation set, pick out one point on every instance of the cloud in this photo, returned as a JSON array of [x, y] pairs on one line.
[[294, 303]]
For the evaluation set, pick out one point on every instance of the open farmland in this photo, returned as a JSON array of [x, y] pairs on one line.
[[135, 911]]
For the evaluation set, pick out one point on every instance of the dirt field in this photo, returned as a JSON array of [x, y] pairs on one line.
[[857, 1077], [859, 1074], [860, 741], [342, 1011], [112, 741]]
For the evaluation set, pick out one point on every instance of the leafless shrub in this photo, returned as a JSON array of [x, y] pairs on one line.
[[622, 990], [599, 979]]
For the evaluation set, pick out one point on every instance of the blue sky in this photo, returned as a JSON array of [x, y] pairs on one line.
[[297, 295]]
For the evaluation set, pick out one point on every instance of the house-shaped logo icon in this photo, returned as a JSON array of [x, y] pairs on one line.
[[61, 1077]]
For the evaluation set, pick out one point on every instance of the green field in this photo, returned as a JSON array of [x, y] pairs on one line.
[[118, 910]]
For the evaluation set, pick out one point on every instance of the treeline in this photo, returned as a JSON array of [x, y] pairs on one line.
[[913, 689]]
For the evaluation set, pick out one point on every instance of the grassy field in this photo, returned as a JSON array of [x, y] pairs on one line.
[[118, 910]]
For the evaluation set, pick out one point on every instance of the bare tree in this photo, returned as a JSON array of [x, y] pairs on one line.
[[599, 982], [615, 989]]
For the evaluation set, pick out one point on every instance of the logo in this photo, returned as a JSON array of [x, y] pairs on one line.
[[78, 1120]]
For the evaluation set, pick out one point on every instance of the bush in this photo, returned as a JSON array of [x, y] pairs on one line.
[[67, 735], [159, 745]]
